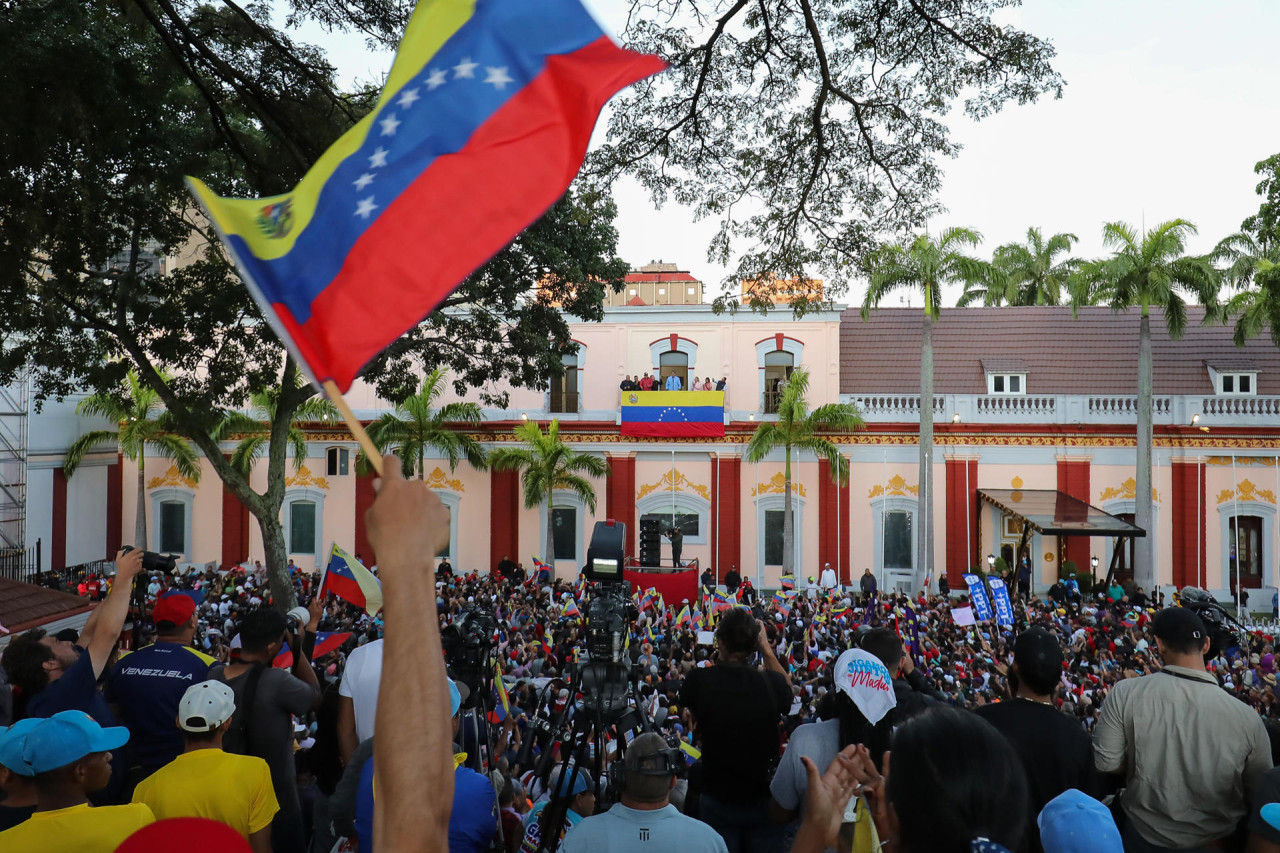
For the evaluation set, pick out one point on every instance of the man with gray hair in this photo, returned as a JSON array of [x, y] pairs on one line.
[[645, 820]]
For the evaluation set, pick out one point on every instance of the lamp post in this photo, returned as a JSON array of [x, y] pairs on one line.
[[1093, 571], [991, 563]]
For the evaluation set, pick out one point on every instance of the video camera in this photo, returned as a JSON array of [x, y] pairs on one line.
[[153, 562], [467, 642], [1202, 603]]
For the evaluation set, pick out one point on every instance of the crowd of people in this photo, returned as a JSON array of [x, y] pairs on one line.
[[673, 382], [1104, 720]]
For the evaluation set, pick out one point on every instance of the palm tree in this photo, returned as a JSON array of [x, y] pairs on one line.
[[1145, 272], [994, 288], [1252, 265], [924, 265], [1036, 275], [254, 428], [797, 429], [415, 426], [142, 422], [547, 464]]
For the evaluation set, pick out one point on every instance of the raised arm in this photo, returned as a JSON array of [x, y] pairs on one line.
[[407, 524], [111, 613]]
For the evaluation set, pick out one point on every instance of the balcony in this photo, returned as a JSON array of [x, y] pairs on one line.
[[771, 401], [1069, 409]]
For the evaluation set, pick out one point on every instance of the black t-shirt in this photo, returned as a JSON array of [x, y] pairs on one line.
[[737, 708], [1055, 751], [11, 816]]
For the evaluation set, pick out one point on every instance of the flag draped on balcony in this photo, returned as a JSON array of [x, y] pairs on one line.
[[672, 414]]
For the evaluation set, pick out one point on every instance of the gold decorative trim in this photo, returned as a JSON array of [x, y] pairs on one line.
[[673, 483], [438, 479], [171, 477], [1126, 490], [895, 486], [303, 478], [1016, 482], [1242, 461], [777, 485], [1247, 491]]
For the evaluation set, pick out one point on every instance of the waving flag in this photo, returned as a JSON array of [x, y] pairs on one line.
[[482, 124], [346, 578], [503, 699], [539, 567], [283, 658], [787, 582], [683, 618], [328, 641], [691, 753], [570, 610]]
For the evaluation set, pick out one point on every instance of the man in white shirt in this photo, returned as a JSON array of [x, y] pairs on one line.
[[829, 580], [645, 820], [358, 697]]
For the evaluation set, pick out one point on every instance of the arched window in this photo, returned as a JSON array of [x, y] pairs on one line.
[[676, 363], [302, 527], [302, 514], [777, 370], [564, 387], [172, 510]]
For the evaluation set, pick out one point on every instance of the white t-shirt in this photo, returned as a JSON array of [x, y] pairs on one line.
[[829, 579], [360, 685]]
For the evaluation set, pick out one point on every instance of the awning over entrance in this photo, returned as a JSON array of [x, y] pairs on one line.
[[1048, 511]]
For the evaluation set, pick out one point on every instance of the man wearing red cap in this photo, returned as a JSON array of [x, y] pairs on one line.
[[147, 685]]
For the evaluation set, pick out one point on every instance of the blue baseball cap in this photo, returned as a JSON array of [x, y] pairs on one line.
[[67, 737], [455, 698], [13, 740], [1074, 822], [581, 782], [1271, 814]]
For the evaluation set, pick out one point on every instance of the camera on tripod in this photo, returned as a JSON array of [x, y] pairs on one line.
[[1216, 620], [467, 642]]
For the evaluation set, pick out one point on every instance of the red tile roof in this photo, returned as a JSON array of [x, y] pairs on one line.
[[636, 300], [1094, 354], [25, 605]]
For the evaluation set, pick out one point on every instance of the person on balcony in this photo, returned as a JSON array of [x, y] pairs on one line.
[[629, 384], [724, 380], [647, 383], [673, 383]]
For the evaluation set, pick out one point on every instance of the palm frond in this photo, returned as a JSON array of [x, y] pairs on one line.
[[81, 447], [182, 453]]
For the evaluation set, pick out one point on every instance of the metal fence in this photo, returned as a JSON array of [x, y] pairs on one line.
[[21, 564]]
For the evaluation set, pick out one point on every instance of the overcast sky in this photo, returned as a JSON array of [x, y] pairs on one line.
[[1168, 106]]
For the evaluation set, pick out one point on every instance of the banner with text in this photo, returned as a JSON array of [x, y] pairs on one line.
[[978, 595], [1004, 607]]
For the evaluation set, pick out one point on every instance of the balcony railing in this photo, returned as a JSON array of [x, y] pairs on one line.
[[1127, 407], [891, 407], [563, 402], [1243, 407], [1022, 406], [771, 400]]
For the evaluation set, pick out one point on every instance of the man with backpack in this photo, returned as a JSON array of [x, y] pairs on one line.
[[266, 699]]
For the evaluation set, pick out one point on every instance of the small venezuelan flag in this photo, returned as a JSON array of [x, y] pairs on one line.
[[346, 578]]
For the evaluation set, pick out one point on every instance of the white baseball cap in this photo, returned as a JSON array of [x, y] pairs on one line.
[[205, 706]]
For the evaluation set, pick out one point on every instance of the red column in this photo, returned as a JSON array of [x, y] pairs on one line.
[[842, 524], [726, 520], [620, 496], [364, 499], [828, 534], [58, 547], [115, 504], [1073, 479], [962, 518], [1188, 522], [504, 518]]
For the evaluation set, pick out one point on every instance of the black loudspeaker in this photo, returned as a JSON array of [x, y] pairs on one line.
[[650, 540]]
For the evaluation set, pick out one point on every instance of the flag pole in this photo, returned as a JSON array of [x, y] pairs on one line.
[[353, 423]]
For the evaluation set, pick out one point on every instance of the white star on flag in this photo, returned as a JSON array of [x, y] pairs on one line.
[[365, 208], [465, 68], [363, 181], [437, 78], [389, 124], [498, 77], [378, 159], [407, 97]]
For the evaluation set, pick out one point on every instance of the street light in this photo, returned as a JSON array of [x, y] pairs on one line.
[[1093, 569], [991, 562], [955, 419]]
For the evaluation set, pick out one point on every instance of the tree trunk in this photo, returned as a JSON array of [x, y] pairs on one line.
[[1143, 550], [788, 525], [924, 525], [276, 552], [551, 534], [140, 524]]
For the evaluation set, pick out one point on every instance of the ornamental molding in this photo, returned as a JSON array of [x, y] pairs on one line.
[[1247, 491], [438, 479], [777, 485], [674, 481], [1128, 490], [1242, 461], [896, 486], [303, 478], [171, 478]]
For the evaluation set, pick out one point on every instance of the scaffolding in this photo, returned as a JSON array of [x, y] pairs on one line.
[[14, 401]]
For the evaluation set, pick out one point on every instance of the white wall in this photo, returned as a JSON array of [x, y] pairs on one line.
[[40, 511], [87, 515]]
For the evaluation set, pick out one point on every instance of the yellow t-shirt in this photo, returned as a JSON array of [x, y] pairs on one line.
[[209, 783], [78, 829]]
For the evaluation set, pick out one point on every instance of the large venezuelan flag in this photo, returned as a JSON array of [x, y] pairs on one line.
[[672, 414], [482, 125]]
